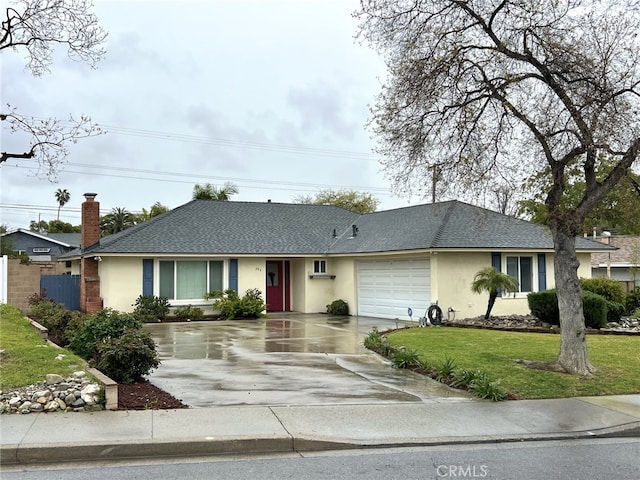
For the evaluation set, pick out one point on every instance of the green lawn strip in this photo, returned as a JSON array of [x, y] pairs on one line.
[[27, 358], [617, 358]]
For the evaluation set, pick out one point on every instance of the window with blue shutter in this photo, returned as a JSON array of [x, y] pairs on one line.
[[147, 276], [542, 272], [233, 274], [496, 262]]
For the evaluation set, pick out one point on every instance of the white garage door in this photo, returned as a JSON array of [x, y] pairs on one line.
[[387, 288]]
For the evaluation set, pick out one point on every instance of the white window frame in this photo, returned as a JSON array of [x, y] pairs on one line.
[[319, 267], [188, 301], [534, 272]]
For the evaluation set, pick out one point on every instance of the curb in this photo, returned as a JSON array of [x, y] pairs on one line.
[[89, 452]]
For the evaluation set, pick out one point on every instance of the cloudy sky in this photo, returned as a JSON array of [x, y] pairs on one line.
[[271, 95]]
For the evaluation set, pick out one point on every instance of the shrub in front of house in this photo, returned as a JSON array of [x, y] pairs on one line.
[[188, 313], [99, 327], [595, 310], [632, 301], [614, 311], [60, 322], [231, 306], [149, 308], [127, 358], [338, 307], [40, 305], [544, 305], [606, 287]]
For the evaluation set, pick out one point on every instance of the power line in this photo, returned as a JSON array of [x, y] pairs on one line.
[[262, 184], [222, 142]]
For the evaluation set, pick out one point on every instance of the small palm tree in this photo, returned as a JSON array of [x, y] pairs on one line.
[[211, 192], [491, 280], [62, 197]]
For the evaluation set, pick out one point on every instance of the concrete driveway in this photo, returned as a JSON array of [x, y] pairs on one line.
[[287, 359]]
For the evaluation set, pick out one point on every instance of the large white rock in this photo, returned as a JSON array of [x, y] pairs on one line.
[[89, 392]]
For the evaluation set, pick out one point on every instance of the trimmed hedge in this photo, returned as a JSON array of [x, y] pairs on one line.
[[606, 287], [595, 310], [544, 305]]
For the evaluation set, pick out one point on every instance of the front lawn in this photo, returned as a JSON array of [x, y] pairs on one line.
[[617, 358], [27, 358]]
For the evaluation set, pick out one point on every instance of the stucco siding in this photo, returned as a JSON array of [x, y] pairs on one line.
[[320, 288], [451, 277], [120, 282], [344, 285], [455, 274], [251, 274], [298, 285], [584, 270]]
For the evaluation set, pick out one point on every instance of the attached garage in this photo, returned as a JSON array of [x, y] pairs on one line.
[[387, 288]]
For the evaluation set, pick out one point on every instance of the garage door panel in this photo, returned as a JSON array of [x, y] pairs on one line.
[[387, 288]]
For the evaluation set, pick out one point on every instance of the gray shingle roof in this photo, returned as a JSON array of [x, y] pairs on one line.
[[447, 225], [70, 239], [237, 228], [205, 226]]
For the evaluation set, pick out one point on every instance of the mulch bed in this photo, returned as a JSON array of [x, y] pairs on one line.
[[146, 396]]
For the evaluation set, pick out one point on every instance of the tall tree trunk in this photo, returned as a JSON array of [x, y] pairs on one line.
[[573, 356]]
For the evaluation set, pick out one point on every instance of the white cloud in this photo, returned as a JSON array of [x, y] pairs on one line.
[[270, 89]]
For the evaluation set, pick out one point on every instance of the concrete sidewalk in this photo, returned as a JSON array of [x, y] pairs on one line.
[[113, 435]]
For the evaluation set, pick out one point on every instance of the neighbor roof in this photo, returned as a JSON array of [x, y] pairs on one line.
[[237, 228], [69, 240], [627, 253]]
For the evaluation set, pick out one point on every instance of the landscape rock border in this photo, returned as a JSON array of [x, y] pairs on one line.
[[77, 393], [529, 323]]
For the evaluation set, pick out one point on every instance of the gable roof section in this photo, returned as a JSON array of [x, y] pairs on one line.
[[246, 228], [67, 240]]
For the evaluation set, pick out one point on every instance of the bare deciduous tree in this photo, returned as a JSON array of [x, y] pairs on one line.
[[490, 88], [35, 27]]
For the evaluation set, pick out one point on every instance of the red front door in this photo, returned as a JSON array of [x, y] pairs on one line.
[[277, 286]]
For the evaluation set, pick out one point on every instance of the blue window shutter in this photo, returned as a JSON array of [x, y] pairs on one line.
[[147, 276], [233, 274], [542, 272], [496, 262]]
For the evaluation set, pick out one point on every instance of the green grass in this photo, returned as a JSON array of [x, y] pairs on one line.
[[617, 358], [27, 358]]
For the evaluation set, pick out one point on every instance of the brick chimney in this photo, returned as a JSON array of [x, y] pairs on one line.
[[90, 300]]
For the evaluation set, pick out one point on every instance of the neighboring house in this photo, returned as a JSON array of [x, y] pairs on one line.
[[42, 247], [621, 264], [302, 257]]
